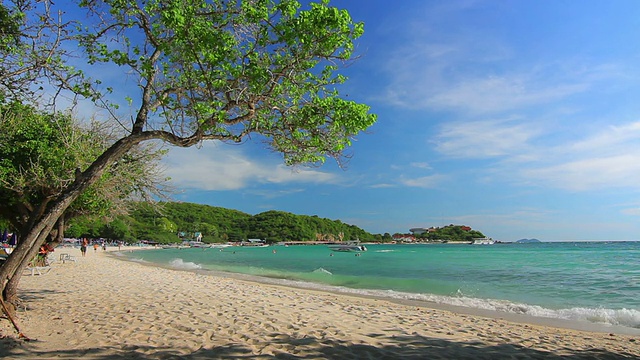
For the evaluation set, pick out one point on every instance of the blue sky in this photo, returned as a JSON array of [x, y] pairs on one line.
[[520, 119]]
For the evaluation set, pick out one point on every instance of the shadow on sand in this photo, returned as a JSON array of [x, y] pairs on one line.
[[407, 347]]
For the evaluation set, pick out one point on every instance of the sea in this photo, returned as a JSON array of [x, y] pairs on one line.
[[594, 282]]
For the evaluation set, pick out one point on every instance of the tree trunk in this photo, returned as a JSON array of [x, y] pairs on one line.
[[25, 250], [59, 236], [10, 293]]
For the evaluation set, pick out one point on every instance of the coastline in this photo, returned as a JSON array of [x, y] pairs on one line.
[[105, 307]]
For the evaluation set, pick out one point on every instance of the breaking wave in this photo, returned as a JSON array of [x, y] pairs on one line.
[[182, 265], [619, 317], [322, 271]]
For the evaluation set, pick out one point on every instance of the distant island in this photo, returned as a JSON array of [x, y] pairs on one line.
[[528, 241]]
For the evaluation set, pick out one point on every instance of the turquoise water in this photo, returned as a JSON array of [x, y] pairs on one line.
[[598, 282]]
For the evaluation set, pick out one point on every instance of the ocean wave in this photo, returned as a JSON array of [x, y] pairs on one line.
[[620, 317], [182, 265], [624, 317], [322, 271]]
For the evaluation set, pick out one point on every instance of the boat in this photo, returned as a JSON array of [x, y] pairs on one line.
[[352, 246], [254, 243], [219, 246], [483, 241]]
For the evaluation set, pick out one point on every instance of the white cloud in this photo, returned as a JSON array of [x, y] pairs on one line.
[[499, 93], [621, 170], [219, 167], [631, 211], [597, 158], [484, 139], [431, 76], [607, 158], [474, 70], [428, 182], [382, 186], [421, 165], [610, 139]]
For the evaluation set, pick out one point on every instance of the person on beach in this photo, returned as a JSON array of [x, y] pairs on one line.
[[83, 247], [42, 258], [95, 247]]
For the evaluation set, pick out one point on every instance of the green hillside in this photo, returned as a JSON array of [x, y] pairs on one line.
[[165, 223]]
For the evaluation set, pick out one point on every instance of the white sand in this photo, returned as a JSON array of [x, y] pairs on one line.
[[105, 308]]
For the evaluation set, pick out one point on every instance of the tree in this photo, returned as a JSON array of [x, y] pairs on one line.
[[39, 156], [116, 230], [214, 70]]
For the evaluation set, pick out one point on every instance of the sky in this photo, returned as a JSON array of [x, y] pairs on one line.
[[519, 118]]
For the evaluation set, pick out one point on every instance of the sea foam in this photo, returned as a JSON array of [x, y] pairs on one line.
[[622, 317], [182, 265], [322, 271]]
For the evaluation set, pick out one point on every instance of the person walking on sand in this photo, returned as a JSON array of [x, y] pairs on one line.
[[95, 247], [83, 247]]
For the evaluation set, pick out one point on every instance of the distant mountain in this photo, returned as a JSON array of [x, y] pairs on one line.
[[528, 241]]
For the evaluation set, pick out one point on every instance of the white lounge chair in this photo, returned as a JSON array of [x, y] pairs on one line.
[[38, 270], [66, 257]]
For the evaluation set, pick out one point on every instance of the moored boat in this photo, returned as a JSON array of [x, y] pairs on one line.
[[219, 246], [483, 241], [348, 247]]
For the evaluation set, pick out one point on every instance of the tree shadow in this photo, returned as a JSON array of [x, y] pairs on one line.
[[30, 295], [397, 347]]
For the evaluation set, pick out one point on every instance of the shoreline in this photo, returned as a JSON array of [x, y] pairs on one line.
[[104, 306], [523, 318]]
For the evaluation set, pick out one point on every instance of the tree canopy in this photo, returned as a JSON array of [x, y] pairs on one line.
[[223, 70], [40, 154]]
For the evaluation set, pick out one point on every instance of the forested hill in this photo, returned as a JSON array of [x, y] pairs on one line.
[[216, 225]]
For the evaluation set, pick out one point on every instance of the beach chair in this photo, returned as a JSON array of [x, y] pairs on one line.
[[66, 257], [37, 270]]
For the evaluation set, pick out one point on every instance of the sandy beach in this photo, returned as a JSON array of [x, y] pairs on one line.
[[102, 307]]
